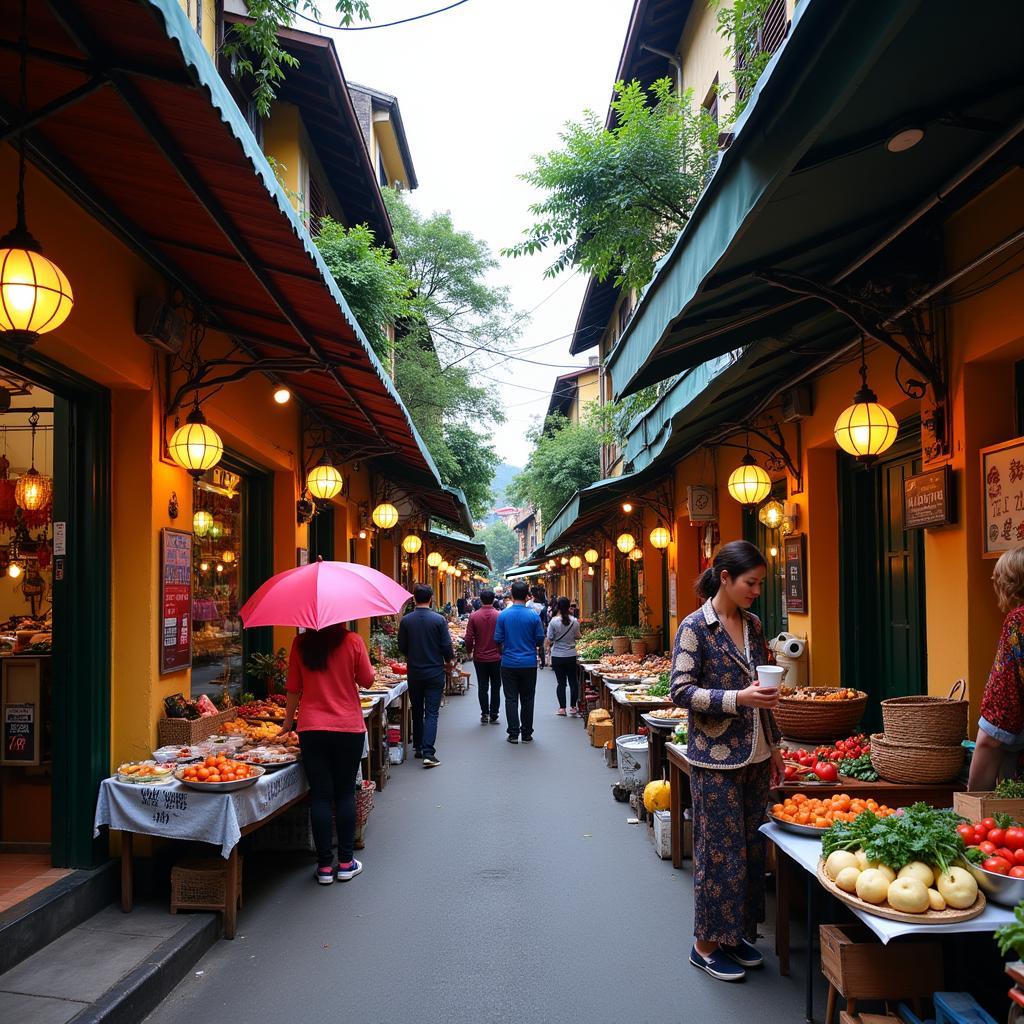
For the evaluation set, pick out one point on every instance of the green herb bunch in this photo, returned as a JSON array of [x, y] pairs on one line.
[[858, 768], [660, 688], [1010, 789], [1011, 936]]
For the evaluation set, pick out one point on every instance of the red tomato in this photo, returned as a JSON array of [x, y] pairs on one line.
[[988, 823], [997, 866], [1018, 856], [1007, 855], [790, 772], [966, 833], [987, 848], [980, 834], [997, 836], [1017, 871], [827, 773], [1014, 838]]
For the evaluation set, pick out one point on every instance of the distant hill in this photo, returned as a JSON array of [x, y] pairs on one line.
[[502, 478]]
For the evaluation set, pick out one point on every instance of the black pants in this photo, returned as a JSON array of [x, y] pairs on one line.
[[565, 672], [331, 760], [488, 683], [425, 697], [520, 686]]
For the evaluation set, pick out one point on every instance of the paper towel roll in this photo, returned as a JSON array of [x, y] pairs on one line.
[[793, 648]]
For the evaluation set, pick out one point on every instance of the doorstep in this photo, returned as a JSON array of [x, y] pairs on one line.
[[113, 968]]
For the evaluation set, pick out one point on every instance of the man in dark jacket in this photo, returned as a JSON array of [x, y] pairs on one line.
[[480, 646], [424, 639]]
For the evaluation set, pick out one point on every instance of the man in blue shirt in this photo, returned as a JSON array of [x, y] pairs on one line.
[[518, 633]]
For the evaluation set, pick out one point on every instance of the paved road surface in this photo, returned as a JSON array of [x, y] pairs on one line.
[[502, 886]]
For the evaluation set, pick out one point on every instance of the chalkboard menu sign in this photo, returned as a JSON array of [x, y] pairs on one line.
[[796, 573], [175, 600], [928, 499], [1002, 480], [20, 734]]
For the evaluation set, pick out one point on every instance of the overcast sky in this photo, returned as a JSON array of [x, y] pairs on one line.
[[482, 87]]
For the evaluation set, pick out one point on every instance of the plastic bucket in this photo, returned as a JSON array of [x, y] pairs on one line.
[[632, 759]]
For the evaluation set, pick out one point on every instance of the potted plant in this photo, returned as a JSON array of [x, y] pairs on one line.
[[619, 607], [271, 668], [637, 643], [649, 633]]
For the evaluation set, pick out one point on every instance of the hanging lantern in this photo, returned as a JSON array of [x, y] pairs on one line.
[[458, 574], [216, 530], [636, 554], [324, 481], [443, 566], [660, 537], [220, 568], [575, 562], [196, 446], [625, 542], [201, 523], [204, 566], [411, 544], [385, 515], [228, 556], [33, 491], [14, 570], [434, 559], [865, 429], [282, 396], [591, 555], [565, 561], [749, 484], [771, 514]]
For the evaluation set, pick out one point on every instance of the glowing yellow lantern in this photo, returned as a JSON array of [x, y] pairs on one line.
[[434, 559], [771, 514], [749, 484], [591, 555], [411, 544], [443, 566], [625, 542], [35, 296], [575, 562], [636, 554], [216, 530], [14, 570], [201, 523], [385, 515], [324, 481], [195, 446], [565, 561], [660, 537], [228, 556], [33, 491], [865, 429], [282, 396]]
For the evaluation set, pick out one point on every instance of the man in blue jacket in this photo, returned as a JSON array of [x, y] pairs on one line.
[[517, 633]]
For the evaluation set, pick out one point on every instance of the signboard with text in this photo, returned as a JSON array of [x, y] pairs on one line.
[[1002, 480], [175, 600], [928, 499], [796, 574], [20, 734]]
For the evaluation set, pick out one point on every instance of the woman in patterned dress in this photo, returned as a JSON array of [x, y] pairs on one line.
[[1001, 726], [734, 758]]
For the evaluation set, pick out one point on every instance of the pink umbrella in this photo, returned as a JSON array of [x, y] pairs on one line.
[[321, 594]]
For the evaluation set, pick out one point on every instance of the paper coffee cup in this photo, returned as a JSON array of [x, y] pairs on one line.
[[769, 677]]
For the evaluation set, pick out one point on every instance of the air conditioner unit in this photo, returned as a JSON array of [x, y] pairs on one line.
[[159, 324], [797, 403], [701, 503]]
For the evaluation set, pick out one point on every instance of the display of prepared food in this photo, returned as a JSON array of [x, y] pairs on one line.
[[678, 714], [218, 773], [268, 709], [145, 773], [820, 693], [269, 756], [176, 753]]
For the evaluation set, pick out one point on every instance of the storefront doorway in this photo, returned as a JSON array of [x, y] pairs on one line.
[[882, 613], [770, 607]]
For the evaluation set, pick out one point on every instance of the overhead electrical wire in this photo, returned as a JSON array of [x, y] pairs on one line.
[[383, 24]]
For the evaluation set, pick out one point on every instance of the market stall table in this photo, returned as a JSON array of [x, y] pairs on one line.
[[658, 732], [176, 811], [398, 694], [376, 757], [626, 713], [797, 852]]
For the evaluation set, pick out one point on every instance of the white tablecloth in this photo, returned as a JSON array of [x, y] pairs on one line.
[[806, 851], [176, 812]]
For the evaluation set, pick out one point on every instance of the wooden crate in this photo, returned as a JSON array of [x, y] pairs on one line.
[[860, 967], [867, 1018], [975, 806]]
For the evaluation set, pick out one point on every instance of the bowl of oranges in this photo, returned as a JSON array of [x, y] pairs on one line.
[[219, 774], [810, 816]]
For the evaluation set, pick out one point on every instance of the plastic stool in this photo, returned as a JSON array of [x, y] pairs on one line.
[[950, 1008]]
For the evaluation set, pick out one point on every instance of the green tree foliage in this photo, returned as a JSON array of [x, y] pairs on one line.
[[617, 199], [257, 53], [613, 419], [468, 462], [565, 457], [502, 546], [740, 23], [377, 288]]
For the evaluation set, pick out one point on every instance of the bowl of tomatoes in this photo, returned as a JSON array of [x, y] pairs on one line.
[[218, 774], [995, 856]]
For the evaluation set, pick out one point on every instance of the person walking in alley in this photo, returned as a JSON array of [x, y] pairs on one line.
[[518, 633], [562, 633], [424, 639], [538, 602], [326, 669], [480, 647]]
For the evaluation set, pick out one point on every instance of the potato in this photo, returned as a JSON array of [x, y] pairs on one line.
[[837, 860], [919, 870], [935, 900], [872, 886], [862, 860], [958, 888], [908, 894], [884, 868], [847, 878]]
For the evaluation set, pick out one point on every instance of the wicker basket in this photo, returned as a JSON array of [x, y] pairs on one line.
[[620, 645], [927, 720], [908, 763], [819, 719], [364, 804], [201, 884], [173, 732]]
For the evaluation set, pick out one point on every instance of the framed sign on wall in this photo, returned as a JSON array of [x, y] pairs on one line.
[[795, 562], [1002, 480], [928, 499], [175, 600]]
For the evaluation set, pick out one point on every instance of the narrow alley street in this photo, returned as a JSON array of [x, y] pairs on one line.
[[503, 886]]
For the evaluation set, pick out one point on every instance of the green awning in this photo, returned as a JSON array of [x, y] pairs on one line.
[[809, 186], [460, 545], [519, 571]]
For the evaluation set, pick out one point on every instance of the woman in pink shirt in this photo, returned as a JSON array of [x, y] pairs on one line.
[[326, 668]]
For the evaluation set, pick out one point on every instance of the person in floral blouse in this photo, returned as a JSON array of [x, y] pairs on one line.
[[1001, 726], [734, 758]]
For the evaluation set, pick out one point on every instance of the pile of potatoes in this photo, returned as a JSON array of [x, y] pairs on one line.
[[915, 889]]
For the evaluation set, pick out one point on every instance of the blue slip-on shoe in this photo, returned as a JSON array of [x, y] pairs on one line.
[[346, 874], [325, 875], [745, 954], [718, 965]]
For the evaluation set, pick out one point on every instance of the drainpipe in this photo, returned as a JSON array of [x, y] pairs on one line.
[[673, 60]]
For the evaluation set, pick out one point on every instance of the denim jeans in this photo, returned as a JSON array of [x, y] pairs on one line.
[[488, 684], [520, 686], [425, 696], [331, 760], [565, 672]]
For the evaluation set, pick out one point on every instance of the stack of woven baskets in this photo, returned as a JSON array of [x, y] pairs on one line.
[[923, 738]]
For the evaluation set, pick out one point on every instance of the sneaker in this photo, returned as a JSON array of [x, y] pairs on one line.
[[561, 712], [494, 719], [484, 719], [325, 875], [417, 753], [346, 874], [573, 713], [718, 965], [744, 954], [430, 761], [528, 739], [512, 739]]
